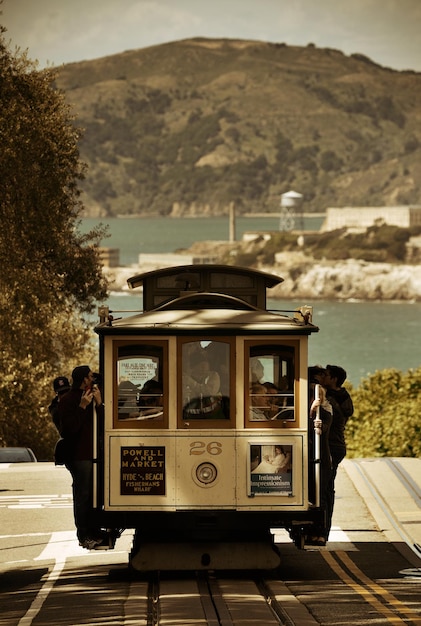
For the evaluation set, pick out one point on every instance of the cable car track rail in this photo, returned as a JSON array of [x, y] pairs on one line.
[[211, 600]]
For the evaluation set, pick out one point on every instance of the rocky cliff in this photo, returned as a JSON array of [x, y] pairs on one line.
[[344, 280], [307, 279]]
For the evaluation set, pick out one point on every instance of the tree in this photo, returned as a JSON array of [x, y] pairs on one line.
[[50, 273], [386, 421]]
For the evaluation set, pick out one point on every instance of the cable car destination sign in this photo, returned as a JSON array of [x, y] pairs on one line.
[[142, 471]]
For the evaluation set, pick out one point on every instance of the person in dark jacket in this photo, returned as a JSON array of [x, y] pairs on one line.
[[321, 416], [61, 386], [76, 417], [332, 380]]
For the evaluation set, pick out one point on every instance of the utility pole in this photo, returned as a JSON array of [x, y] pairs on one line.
[[231, 222]]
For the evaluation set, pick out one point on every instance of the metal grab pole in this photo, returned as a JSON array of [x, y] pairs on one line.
[[317, 460], [95, 456]]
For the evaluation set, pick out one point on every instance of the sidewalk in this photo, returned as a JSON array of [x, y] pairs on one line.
[[391, 490]]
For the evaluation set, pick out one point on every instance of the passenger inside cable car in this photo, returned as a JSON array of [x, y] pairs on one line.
[[271, 375], [140, 390], [202, 396], [150, 400]]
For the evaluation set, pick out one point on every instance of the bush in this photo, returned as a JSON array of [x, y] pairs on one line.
[[330, 162], [386, 417]]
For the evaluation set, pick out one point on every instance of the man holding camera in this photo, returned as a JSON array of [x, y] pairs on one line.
[[76, 416]]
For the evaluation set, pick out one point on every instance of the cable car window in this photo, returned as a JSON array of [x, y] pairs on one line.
[[140, 385], [271, 384], [205, 380]]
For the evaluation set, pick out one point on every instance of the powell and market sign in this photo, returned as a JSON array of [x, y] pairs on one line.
[[142, 471]]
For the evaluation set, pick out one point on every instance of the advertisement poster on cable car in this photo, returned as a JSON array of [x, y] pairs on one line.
[[270, 469]]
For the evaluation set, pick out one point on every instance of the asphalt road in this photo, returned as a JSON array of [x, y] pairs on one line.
[[369, 574]]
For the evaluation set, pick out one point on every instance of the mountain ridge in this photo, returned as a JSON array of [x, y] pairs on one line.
[[187, 127]]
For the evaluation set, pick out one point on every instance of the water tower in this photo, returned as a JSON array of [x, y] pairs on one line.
[[291, 216]]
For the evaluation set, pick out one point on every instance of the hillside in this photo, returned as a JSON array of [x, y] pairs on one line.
[[187, 127]]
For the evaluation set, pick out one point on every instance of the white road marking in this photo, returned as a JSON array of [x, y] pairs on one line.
[[61, 546], [24, 535], [48, 585], [64, 545], [55, 501], [337, 535]]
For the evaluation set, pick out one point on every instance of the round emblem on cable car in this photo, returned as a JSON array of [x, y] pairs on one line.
[[206, 473]]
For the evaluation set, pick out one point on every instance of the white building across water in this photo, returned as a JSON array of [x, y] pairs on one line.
[[364, 217]]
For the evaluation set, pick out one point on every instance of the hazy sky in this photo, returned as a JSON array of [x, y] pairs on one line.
[[62, 31]]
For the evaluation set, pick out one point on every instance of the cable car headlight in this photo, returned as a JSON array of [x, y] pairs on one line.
[[206, 473]]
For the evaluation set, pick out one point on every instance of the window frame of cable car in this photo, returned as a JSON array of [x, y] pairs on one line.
[[152, 348], [204, 422], [288, 348]]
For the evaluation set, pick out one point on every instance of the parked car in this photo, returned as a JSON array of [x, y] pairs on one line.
[[17, 455]]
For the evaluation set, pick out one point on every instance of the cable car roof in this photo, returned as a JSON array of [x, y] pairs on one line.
[[169, 283], [216, 314]]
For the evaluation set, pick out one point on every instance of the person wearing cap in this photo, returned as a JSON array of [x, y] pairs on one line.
[[76, 416], [61, 386]]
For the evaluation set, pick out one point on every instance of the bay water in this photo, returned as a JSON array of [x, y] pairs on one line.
[[362, 337], [147, 235]]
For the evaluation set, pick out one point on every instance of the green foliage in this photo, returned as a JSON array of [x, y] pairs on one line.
[[411, 145], [50, 273], [388, 110], [330, 162], [279, 242], [386, 421], [283, 146], [380, 243], [246, 181]]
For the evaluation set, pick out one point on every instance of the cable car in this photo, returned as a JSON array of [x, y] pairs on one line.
[[204, 447]]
